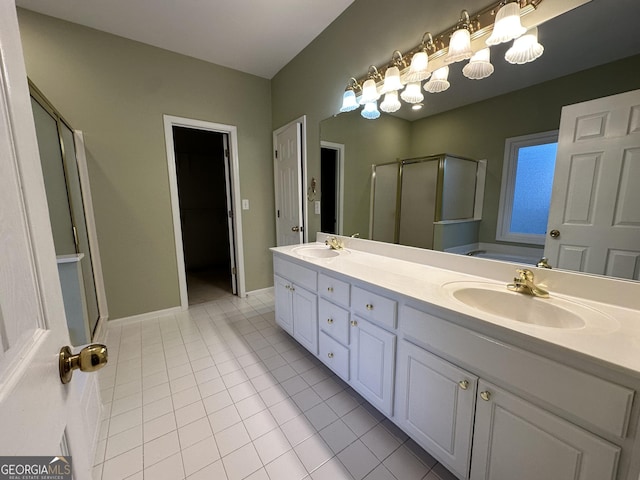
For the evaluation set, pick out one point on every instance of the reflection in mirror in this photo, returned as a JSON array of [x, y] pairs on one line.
[[478, 131]]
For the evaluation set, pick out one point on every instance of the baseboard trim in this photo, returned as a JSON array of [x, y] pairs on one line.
[[268, 290], [101, 330], [145, 316]]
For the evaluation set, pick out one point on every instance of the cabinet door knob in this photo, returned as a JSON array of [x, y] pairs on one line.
[[330, 355], [369, 306], [354, 323], [329, 321], [288, 287], [293, 289], [330, 289], [486, 396], [464, 384]]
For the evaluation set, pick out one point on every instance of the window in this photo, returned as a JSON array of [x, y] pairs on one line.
[[525, 195]]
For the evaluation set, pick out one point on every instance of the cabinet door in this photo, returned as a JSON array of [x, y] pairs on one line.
[[305, 318], [515, 439], [283, 295], [434, 405], [373, 363]]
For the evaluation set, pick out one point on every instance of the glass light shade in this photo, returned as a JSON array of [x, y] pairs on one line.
[[369, 92], [349, 102], [390, 103], [438, 82], [392, 80], [479, 66], [459, 46], [507, 25], [370, 111], [418, 69], [525, 49], [412, 93]]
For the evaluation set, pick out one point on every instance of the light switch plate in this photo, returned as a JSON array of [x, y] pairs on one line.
[[245, 204], [317, 207]]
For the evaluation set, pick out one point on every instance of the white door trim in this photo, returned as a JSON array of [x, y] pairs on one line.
[[341, 149], [303, 152], [169, 122]]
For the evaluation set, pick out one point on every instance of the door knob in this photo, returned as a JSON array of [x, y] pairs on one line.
[[295, 229], [554, 233], [90, 359]]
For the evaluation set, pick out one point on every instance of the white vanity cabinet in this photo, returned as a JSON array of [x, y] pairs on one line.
[[515, 439], [296, 302], [435, 403]]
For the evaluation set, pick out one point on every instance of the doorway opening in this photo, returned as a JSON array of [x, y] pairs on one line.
[[204, 212], [331, 175], [203, 171]]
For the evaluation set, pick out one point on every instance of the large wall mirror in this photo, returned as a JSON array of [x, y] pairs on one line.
[[479, 129]]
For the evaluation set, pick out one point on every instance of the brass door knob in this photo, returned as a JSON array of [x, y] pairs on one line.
[[554, 233], [90, 359], [295, 229]]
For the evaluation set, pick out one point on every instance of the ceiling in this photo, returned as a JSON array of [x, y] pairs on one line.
[[254, 36]]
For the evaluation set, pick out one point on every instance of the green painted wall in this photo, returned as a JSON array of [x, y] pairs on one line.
[[116, 91]]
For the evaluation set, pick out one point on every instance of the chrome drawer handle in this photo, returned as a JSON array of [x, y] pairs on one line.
[[330, 289], [329, 321], [330, 355], [464, 384], [486, 396], [369, 306]]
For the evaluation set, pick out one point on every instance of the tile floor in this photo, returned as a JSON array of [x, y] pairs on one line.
[[208, 285], [220, 392]]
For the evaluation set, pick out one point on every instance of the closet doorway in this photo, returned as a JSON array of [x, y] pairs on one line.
[[332, 186], [205, 222]]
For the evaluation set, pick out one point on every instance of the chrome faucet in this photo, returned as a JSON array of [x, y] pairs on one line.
[[334, 243], [524, 283]]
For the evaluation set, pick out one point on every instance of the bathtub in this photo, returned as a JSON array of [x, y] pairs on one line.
[[504, 253]]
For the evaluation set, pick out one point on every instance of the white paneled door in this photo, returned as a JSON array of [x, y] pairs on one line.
[[288, 184], [35, 408], [594, 219]]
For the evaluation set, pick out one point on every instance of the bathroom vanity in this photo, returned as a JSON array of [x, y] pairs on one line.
[[494, 384]]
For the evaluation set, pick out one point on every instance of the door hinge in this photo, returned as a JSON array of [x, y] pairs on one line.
[[230, 213], [75, 238], [276, 153], [226, 152], [278, 213], [233, 270]]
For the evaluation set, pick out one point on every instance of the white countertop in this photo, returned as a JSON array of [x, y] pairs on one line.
[[616, 341]]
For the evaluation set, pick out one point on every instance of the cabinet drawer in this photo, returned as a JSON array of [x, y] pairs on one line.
[[374, 307], [335, 290], [305, 277], [583, 397], [334, 321], [335, 356]]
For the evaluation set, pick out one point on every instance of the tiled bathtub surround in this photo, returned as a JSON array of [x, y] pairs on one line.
[[220, 392]]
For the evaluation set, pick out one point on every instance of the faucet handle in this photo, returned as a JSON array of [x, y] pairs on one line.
[[543, 263]]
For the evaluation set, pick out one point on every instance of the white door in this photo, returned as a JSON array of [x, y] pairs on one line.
[[227, 179], [35, 407], [594, 219], [288, 184]]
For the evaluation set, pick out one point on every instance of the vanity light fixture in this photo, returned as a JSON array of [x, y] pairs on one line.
[[420, 61], [525, 49], [438, 81], [507, 26], [479, 66], [370, 111], [349, 101], [500, 22], [460, 43]]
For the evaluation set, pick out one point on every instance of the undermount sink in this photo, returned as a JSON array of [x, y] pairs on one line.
[[316, 251], [553, 312]]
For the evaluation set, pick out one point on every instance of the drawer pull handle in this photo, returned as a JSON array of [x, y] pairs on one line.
[[330, 355], [288, 287], [464, 384], [486, 396], [354, 323], [369, 306], [330, 289], [329, 321], [293, 289]]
